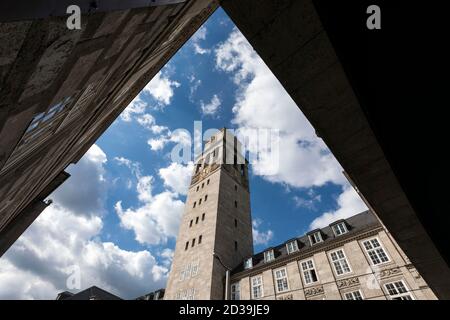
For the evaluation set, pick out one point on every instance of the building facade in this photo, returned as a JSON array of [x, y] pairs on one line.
[[352, 259], [216, 229]]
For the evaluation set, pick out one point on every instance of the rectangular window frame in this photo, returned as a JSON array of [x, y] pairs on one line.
[[398, 295], [307, 272], [374, 253], [259, 284], [281, 281], [339, 262]]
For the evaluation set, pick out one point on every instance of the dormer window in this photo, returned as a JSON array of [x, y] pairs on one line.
[[248, 263], [269, 256], [315, 238], [339, 228], [292, 246]]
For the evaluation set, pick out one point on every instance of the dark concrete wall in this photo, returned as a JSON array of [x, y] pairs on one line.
[[101, 67], [291, 39]]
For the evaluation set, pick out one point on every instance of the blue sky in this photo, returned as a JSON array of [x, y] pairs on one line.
[[114, 223]]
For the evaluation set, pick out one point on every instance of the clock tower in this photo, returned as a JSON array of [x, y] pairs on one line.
[[215, 233]]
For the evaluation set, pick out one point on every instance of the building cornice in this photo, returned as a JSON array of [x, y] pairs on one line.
[[306, 253]]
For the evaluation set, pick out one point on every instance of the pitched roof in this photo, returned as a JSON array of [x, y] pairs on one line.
[[354, 224], [92, 293]]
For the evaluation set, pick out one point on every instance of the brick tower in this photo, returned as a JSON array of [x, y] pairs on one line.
[[216, 229]]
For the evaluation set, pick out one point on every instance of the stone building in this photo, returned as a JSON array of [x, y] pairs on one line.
[[216, 229], [350, 259]]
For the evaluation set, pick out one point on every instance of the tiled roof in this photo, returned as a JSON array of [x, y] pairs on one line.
[[354, 224]]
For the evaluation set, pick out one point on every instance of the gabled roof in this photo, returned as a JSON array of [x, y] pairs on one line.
[[92, 293]]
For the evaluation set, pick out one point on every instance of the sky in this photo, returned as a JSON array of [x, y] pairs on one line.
[[114, 222]]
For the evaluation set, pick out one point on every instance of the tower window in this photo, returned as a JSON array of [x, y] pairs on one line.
[[190, 224], [196, 220], [193, 242], [195, 203], [235, 245], [198, 187], [203, 184], [200, 201], [206, 197], [203, 217], [235, 187], [242, 170], [207, 182], [187, 245], [235, 204], [235, 223], [200, 239]]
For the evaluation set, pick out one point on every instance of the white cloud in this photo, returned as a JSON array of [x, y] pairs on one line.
[[137, 106], [179, 136], [39, 264], [349, 204], [260, 237], [161, 88], [177, 177], [308, 202], [198, 36], [89, 173], [211, 107], [155, 221], [144, 188], [262, 103], [157, 143]]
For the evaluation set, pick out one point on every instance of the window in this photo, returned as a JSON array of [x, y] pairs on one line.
[[187, 245], [315, 238], [269, 256], [339, 229], [340, 262], [200, 239], [206, 197], [235, 245], [242, 170], [398, 291], [235, 187], [235, 291], [195, 203], [200, 201], [292, 246], [203, 184], [198, 187], [196, 220], [193, 242], [354, 295], [257, 287], [190, 224], [281, 280], [248, 263], [235, 204], [207, 182], [309, 272], [375, 251], [235, 223], [203, 216]]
